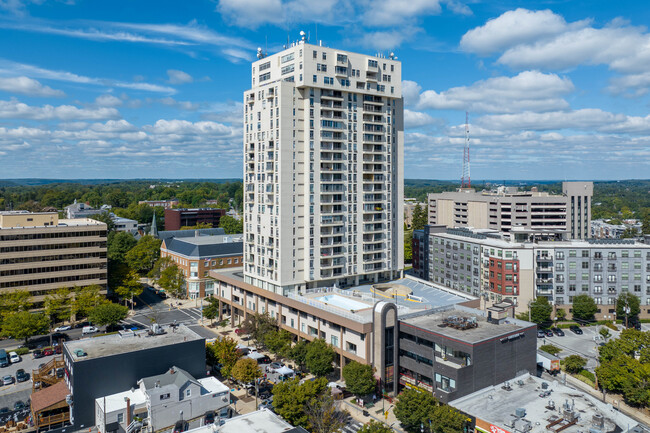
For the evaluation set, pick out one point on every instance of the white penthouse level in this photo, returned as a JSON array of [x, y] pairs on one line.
[[323, 169]]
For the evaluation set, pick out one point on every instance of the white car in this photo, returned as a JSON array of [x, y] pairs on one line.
[[14, 358], [63, 328], [89, 330]]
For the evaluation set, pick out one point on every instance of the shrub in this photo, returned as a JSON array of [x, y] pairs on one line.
[[22, 351], [588, 374], [549, 348], [574, 363]]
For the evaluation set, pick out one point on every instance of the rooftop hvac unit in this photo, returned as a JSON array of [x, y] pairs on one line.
[[520, 412], [598, 421]]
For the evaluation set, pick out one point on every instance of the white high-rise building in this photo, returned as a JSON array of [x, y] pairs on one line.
[[323, 169]]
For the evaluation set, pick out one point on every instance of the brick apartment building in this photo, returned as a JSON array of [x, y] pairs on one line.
[[177, 218]]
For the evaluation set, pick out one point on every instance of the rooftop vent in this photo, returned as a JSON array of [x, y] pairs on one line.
[[520, 412]]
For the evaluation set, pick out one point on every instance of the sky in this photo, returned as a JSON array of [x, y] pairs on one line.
[[555, 90]]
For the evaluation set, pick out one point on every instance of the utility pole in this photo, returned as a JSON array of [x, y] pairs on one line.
[[627, 311]]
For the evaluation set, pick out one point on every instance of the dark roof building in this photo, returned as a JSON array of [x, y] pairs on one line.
[[166, 234], [177, 218]]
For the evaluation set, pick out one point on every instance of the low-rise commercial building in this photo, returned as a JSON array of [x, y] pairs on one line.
[[528, 404], [41, 253], [177, 218], [109, 364], [506, 208], [83, 210], [196, 256], [261, 421], [167, 204]]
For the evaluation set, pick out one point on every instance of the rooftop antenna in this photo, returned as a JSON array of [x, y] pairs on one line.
[[260, 54], [465, 181], [317, 32], [302, 36]]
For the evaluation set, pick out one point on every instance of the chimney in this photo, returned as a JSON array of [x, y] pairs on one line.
[[128, 412], [172, 371]]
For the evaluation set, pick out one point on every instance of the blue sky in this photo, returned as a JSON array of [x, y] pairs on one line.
[[132, 89]]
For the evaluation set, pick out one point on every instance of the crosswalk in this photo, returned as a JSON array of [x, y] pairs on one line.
[[186, 316], [353, 426]]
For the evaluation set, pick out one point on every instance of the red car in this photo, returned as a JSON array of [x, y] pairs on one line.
[[48, 351], [57, 350]]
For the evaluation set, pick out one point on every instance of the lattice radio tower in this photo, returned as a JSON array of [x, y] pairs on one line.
[[465, 181]]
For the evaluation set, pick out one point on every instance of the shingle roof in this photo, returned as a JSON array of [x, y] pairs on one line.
[[174, 376], [188, 249], [48, 396], [166, 234]]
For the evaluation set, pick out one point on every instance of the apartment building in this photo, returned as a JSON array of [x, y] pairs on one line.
[[323, 169], [177, 218], [196, 256], [40, 253], [529, 214], [487, 264]]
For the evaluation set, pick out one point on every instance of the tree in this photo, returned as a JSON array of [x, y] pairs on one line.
[[130, 287], [144, 254], [630, 301], [58, 305], [540, 311], [231, 225], [108, 313], [119, 244], [325, 414], [375, 427], [359, 378], [257, 326], [198, 226], [290, 398], [298, 353], [604, 332], [413, 408], [574, 363], [85, 299], [211, 311], [104, 217], [319, 357], [23, 325], [279, 342], [408, 246], [172, 280], [117, 272], [560, 313], [446, 419], [14, 301], [419, 218], [225, 352], [246, 370], [584, 307]]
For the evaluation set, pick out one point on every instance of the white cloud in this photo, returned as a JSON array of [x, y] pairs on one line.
[[388, 39], [253, 13], [414, 119], [178, 77], [27, 86], [14, 109], [396, 12], [184, 127], [527, 91], [108, 101]]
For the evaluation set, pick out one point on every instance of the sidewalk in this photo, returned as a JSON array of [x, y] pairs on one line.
[[374, 413]]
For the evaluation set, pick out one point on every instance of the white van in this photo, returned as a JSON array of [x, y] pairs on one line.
[[14, 358], [89, 330]]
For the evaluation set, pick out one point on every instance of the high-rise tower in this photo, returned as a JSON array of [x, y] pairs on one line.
[[323, 169]]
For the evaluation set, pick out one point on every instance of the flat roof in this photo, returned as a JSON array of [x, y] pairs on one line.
[[497, 405], [261, 421], [213, 385], [212, 239], [116, 401], [434, 321], [128, 341]]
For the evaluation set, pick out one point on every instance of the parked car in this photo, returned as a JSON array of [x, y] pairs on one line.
[[7, 380], [4, 410], [81, 325], [89, 330], [558, 332], [180, 426], [48, 351], [58, 350], [21, 376], [540, 333], [19, 405], [209, 418], [275, 365], [60, 372], [63, 328], [37, 353], [576, 329], [14, 358], [548, 333]]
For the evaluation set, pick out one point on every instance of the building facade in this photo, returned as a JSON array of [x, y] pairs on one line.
[[177, 218], [40, 253], [167, 204], [323, 169], [196, 256], [507, 209]]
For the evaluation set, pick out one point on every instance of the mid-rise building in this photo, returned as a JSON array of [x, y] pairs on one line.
[[40, 253], [83, 210], [177, 218], [196, 256], [528, 213], [323, 169], [487, 264]]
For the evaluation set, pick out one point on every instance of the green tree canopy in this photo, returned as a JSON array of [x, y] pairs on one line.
[[574, 363], [172, 280], [119, 244], [631, 301], [290, 398], [408, 245], [549, 348], [375, 427], [278, 342], [23, 325], [419, 218], [246, 370], [298, 352], [325, 414], [584, 307], [104, 217], [58, 305], [144, 254], [446, 419], [320, 357], [224, 350], [14, 301], [359, 378], [211, 310], [130, 287], [108, 313], [85, 299], [413, 408], [540, 311], [231, 225], [257, 326]]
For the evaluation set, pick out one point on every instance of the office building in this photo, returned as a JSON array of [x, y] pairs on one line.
[[177, 218], [529, 404], [40, 253], [487, 264], [454, 351], [530, 214], [323, 169], [109, 364], [196, 256]]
